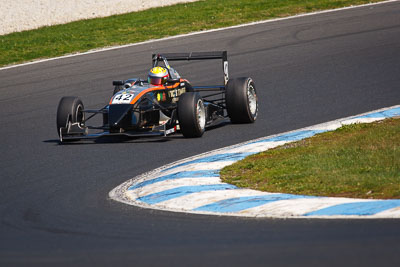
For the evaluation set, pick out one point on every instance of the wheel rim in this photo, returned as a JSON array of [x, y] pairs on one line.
[[201, 114], [80, 117], [252, 100]]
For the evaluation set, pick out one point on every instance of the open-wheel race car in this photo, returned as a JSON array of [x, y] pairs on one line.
[[162, 104]]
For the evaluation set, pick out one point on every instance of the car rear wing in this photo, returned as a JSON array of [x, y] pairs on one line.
[[195, 56]]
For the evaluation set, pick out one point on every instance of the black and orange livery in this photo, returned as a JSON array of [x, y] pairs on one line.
[[138, 108]]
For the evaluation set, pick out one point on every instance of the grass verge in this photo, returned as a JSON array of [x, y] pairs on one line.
[[154, 23], [358, 160]]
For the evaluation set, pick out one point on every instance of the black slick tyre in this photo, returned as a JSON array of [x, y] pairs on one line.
[[70, 109], [241, 100], [191, 115]]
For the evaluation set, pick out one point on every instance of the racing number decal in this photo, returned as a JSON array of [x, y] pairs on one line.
[[122, 99]]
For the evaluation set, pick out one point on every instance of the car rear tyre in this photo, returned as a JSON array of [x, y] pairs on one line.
[[191, 115], [70, 109], [241, 100]]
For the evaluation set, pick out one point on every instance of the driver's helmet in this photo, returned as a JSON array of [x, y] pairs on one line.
[[158, 75]]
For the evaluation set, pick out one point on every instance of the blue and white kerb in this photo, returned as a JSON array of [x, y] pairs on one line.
[[193, 185]]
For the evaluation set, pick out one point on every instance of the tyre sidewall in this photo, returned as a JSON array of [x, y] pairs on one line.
[[237, 101], [187, 115], [69, 110]]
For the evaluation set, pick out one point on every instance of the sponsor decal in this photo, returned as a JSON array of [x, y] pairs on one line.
[[170, 131], [161, 97], [226, 75], [176, 92]]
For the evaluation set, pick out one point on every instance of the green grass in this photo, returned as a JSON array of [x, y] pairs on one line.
[[359, 160], [154, 23]]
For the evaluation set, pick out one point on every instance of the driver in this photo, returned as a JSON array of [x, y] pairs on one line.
[[158, 76]]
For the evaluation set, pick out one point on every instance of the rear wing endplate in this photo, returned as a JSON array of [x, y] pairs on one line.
[[195, 56]]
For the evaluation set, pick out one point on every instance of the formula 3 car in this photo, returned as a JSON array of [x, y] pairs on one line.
[[139, 108]]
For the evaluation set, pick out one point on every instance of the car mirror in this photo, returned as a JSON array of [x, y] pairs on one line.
[[118, 83], [173, 80]]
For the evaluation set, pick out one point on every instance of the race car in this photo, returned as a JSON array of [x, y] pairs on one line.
[[142, 108]]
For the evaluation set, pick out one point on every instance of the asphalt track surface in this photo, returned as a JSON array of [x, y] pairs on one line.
[[54, 205]]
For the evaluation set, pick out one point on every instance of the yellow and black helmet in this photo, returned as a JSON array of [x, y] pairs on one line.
[[158, 75]]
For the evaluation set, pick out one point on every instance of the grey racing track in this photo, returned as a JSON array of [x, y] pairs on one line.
[[54, 205]]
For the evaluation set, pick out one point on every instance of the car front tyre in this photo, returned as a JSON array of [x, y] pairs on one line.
[[70, 110], [191, 115]]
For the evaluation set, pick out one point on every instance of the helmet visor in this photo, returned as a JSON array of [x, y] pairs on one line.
[[157, 80]]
